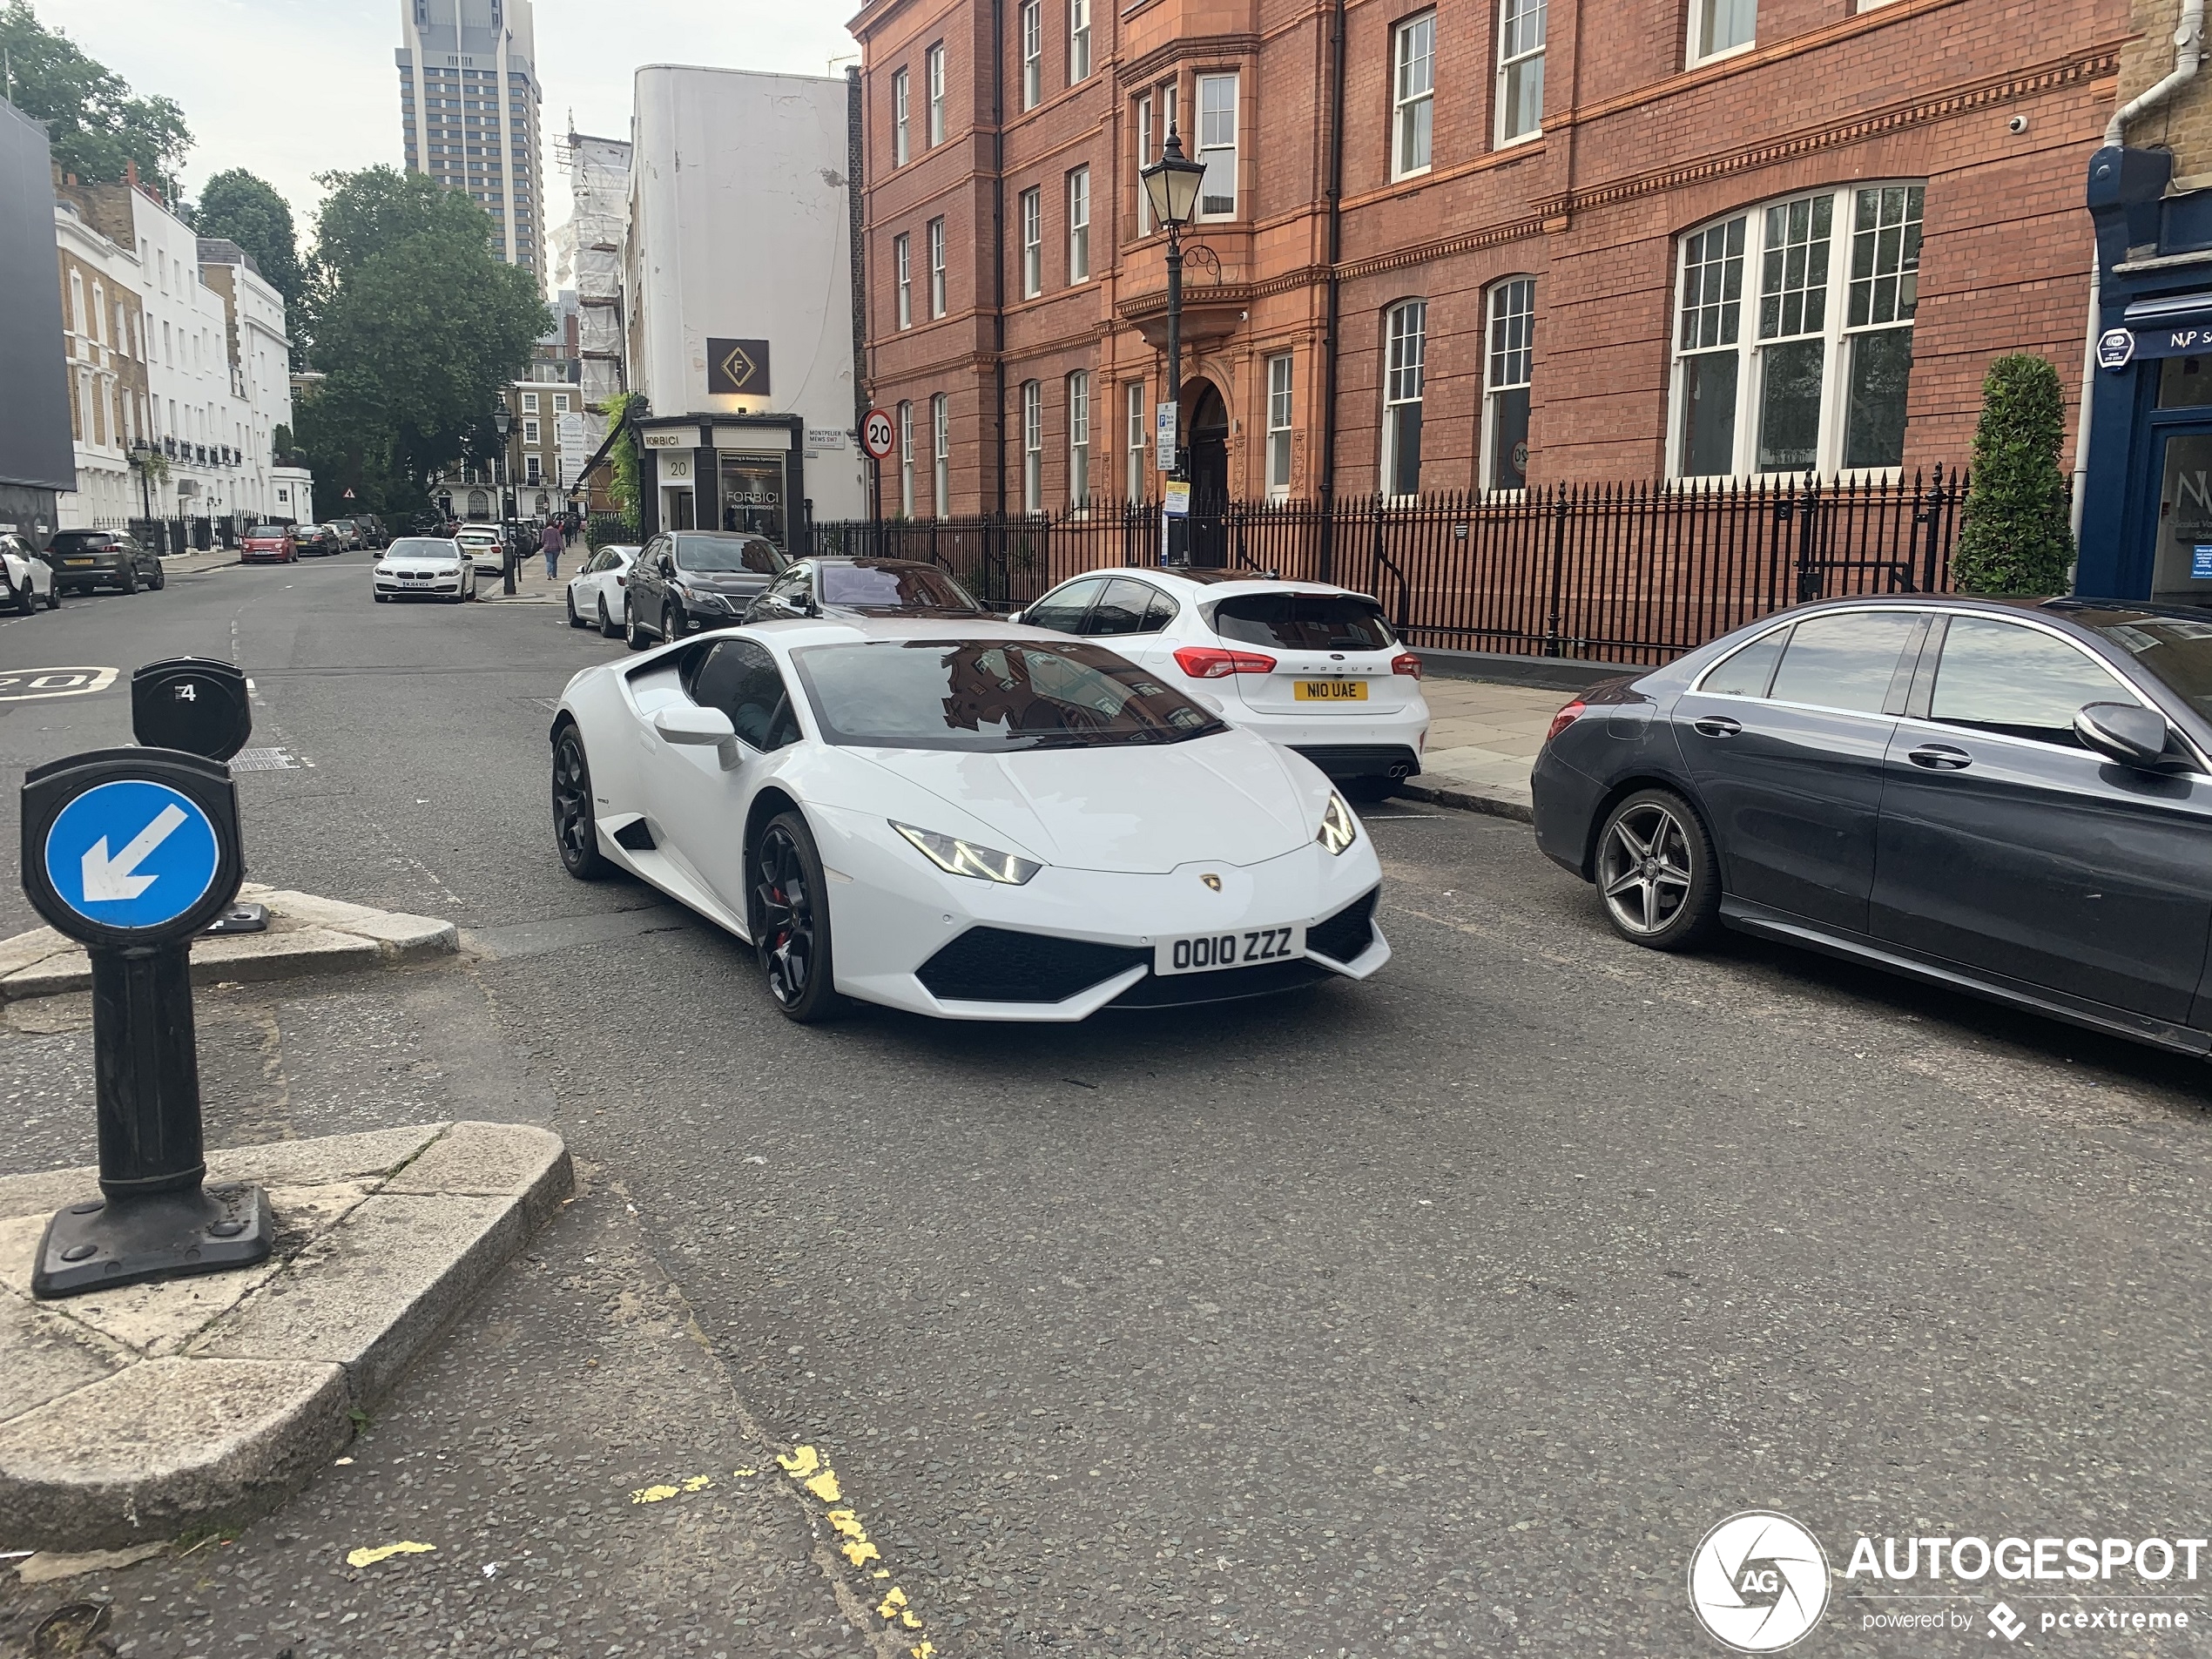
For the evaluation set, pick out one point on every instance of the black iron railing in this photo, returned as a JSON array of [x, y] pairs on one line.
[[1625, 573]]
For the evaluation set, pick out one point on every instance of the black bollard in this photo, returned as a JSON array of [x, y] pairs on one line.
[[132, 852]]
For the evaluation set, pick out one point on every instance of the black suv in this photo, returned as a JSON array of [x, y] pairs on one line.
[[84, 560], [687, 580]]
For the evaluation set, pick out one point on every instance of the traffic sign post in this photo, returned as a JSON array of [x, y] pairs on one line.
[[132, 852]]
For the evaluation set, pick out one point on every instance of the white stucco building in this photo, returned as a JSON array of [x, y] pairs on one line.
[[103, 353], [181, 345], [737, 297]]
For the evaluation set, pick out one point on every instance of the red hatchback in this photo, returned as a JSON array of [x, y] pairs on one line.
[[269, 542]]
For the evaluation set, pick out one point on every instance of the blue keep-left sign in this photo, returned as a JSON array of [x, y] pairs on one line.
[[132, 854]]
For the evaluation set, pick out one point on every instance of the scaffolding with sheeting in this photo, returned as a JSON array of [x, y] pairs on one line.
[[599, 171]]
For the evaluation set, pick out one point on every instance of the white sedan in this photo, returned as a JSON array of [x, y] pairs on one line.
[[484, 547], [977, 822], [595, 592], [424, 567], [1313, 667]]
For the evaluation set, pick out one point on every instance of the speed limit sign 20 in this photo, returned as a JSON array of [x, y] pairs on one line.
[[877, 433]]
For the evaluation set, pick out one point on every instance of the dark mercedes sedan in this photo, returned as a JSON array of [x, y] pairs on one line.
[[2013, 799], [842, 587]]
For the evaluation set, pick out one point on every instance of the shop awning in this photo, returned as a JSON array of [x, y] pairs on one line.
[[2172, 326]]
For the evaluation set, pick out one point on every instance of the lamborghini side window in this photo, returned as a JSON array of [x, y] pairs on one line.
[[740, 678]]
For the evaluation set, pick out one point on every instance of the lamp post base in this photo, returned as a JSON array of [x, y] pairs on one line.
[[97, 1244]]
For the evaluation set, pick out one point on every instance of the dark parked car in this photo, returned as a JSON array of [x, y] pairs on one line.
[[317, 539], [2011, 798], [84, 560], [371, 529], [687, 580], [863, 588]]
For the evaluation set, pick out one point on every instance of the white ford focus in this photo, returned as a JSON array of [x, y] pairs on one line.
[[977, 822]]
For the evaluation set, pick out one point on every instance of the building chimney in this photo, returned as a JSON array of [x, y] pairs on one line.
[[131, 172]]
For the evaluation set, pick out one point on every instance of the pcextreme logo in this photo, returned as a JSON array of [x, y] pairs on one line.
[[1759, 1582]]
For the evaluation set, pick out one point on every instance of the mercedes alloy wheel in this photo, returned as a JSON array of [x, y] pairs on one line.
[[1655, 869]]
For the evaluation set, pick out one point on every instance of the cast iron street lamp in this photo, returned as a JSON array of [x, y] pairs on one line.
[[501, 421], [1172, 185]]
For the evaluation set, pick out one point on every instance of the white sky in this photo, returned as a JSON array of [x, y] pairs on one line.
[[288, 88]]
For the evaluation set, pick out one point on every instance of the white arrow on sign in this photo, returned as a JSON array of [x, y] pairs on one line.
[[109, 878]]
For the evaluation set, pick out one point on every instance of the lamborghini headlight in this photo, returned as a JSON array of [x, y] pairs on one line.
[[956, 857], [1339, 829]]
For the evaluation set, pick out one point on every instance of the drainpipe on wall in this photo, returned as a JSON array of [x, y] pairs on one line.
[[998, 247], [2188, 54], [1335, 294], [856, 234]]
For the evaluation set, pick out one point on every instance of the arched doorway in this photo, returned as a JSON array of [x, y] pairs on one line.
[[479, 504], [1206, 420]]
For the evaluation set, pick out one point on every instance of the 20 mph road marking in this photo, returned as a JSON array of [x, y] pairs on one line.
[[108, 879], [22, 686]]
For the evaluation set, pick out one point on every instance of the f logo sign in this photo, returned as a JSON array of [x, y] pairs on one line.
[[737, 367]]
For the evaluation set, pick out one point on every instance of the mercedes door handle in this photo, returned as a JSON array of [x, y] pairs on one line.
[[1941, 757], [1716, 725]]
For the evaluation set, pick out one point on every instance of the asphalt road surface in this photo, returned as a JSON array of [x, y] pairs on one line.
[[1442, 1314]]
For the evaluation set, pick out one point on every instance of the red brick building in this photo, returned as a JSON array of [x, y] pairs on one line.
[[1717, 237]]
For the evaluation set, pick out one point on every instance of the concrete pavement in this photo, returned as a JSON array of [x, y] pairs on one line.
[[1482, 739], [1443, 1313]]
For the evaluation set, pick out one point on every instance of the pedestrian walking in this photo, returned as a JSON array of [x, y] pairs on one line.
[[550, 540], [571, 526]]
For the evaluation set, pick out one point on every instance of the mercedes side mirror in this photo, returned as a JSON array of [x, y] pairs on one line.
[[2128, 732], [1016, 617]]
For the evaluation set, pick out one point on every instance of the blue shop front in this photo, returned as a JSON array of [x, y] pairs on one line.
[[2146, 504]]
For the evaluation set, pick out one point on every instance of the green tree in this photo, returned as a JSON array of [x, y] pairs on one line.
[[416, 328], [2016, 536], [93, 122], [248, 210]]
